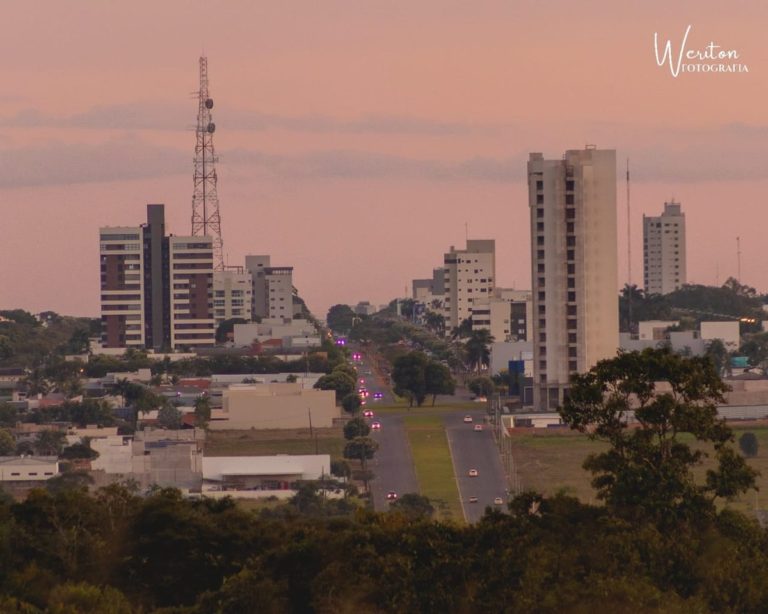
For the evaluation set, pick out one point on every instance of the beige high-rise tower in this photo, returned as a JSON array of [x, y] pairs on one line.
[[573, 267], [664, 250]]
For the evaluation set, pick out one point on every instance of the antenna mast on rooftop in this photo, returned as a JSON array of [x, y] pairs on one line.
[[206, 220]]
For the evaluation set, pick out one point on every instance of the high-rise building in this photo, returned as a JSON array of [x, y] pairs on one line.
[[155, 289], [505, 313], [469, 274], [232, 294], [664, 250], [272, 295], [573, 267]]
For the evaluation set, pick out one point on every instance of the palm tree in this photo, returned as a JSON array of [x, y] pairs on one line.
[[477, 347]]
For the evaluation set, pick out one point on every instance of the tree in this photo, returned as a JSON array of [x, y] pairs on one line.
[[409, 376], [49, 442], [85, 598], [718, 354], [8, 414], [414, 506], [340, 469], [755, 348], [341, 382], [7, 443], [340, 318], [169, 417], [79, 342], [463, 330], [647, 472], [292, 378], [481, 386], [202, 411], [478, 352], [438, 380], [357, 427], [351, 403], [748, 444], [435, 322], [79, 451], [362, 449]]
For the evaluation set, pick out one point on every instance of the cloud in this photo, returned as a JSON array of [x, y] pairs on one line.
[[64, 163], [164, 116]]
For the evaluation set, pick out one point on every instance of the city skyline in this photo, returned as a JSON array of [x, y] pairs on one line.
[[356, 139]]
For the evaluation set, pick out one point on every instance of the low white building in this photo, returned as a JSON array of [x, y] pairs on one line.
[[654, 330], [28, 468], [727, 332], [266, 473], [296, 332]]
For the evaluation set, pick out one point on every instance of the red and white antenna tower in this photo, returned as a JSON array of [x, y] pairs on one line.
[[206, 220]]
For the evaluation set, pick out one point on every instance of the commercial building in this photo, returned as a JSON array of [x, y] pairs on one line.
[[263, 473], [469, 275], [664, 267], [155, 289], [28, 468], [274, 406], [232, 294], [573, 267], [272, 295], [291, 333]]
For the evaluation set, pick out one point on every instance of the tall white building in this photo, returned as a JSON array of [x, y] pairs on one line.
[[470, 274], [272, 295], [664, 250], [190, 264], [232, 295], [573, 267]]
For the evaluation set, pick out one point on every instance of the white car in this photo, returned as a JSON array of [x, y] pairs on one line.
[[467, 418], [391, 495], [472, 473], [376, 426], [478, 427], [498, 501], [473, 499], [367, 414]]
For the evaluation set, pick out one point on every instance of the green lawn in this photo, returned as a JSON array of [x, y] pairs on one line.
[[275, 441], [434, 468], [425, 409], [551, 461]]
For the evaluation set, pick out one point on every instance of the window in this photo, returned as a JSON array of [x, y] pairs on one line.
[[571, 297], [540, 254], [539, 199], [571, 282], [543, 337], [540, 241], [571, 269], [571, 337], [542, 310], [540, 267], [540, 227], [570, 241], [571, 325], [572, 352], [572, 366], [569, 199], [570, 213], [539, 185], [539, 213], [542, 296], [569, 228], [569, 184], [571, 310], [571, 254]]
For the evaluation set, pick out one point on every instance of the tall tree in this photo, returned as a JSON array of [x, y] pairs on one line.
[[438, 380], [647, 471], [409, 376], [340, 318], [478, 350]]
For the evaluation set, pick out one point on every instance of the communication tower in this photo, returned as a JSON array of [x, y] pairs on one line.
[[206, 220]]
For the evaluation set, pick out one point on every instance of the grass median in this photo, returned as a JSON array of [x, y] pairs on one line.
[[434, 468]]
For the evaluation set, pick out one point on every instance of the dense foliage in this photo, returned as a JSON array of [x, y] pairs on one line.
[[548, 555]]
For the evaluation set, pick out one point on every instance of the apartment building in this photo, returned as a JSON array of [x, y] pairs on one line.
[[664, 266], [505, 313], [155, 289], [573, 267], [272, 295], [470, 275], [232, 294]]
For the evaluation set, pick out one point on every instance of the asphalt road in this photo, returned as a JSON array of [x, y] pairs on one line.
[[471, 449], [393, 464]]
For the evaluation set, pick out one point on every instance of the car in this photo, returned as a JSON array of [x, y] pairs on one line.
[[467, 418], [362, 380], [377, 396], [391, 495], [367, 414], [478, 427], [376, 426], [473, 499], [498, 501], [472, 473], [363, 392]]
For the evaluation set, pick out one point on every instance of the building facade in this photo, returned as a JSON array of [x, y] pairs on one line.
[[505, 313], [232, 295], [664, 266], [156, 290], [469, 275], [573, 267], [272, 295]]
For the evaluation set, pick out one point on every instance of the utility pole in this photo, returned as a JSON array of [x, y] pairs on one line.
[[629, 258], [309, 411]]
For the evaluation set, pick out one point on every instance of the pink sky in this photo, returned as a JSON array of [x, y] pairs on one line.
[[357, 138]]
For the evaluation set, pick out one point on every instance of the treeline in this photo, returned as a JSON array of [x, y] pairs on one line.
[[114, 551]]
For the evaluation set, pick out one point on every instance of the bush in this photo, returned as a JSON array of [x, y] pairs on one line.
[[748, 444]]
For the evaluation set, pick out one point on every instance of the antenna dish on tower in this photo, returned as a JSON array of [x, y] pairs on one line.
[[209, 103]]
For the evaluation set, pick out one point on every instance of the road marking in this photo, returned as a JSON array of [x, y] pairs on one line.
[[455, 474]]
